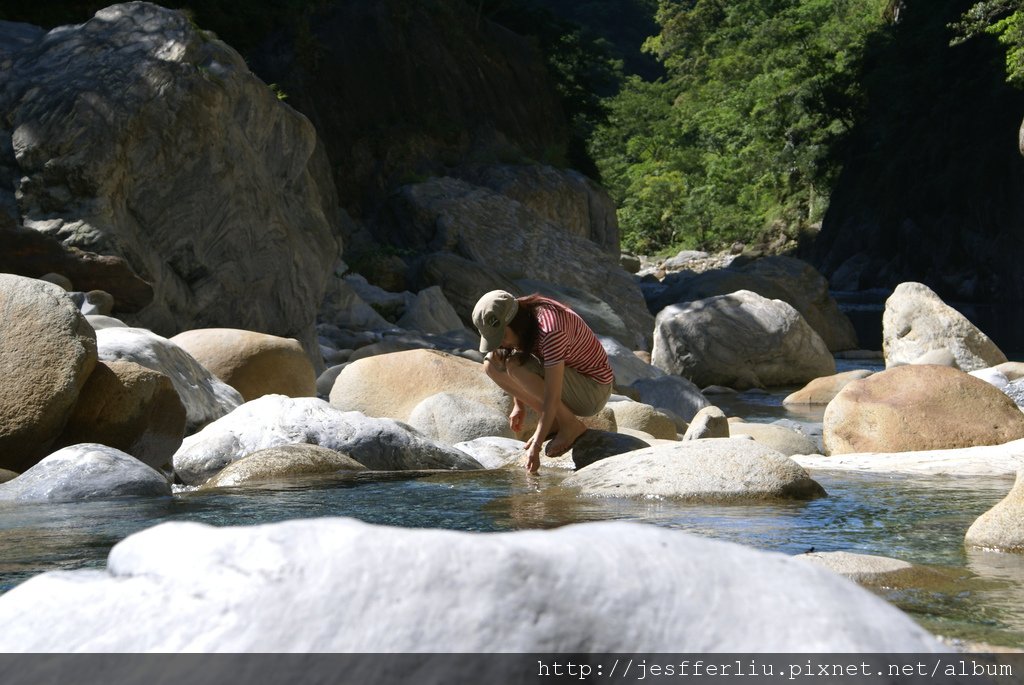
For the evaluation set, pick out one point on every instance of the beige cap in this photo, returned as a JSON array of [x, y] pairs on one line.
[[490, 316]]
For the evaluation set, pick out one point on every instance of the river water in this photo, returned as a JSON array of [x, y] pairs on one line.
[[960, 594]]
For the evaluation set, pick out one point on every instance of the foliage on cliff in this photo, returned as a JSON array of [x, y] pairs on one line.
[[743, 132], [1002, 18]]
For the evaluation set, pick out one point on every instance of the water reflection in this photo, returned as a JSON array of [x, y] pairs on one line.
[[922, 520]]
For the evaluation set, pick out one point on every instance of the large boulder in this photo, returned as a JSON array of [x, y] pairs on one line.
[[113, 122], [510, 239], [340, 585], [47, 351], [776, 278], [1002, 526], [919, 407], [127, 406], [87, 471], [254, 364], [740, 340], [392, 385], [206, 398], [917, 323], [273, 420], [713, 469]]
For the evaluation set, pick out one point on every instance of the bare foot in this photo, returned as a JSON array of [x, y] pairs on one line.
[[564, 440]]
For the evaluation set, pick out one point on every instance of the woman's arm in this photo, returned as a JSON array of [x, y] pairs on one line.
[[553, 378]]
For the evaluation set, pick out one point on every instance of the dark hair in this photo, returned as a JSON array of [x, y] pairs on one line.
[[524, 323]]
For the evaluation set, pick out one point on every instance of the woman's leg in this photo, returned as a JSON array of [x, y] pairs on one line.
[[523, 383]]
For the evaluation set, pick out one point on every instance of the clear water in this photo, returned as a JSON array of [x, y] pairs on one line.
[[961, 594]]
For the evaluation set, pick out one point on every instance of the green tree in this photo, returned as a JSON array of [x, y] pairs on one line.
[[1002, 18], [758, 95]]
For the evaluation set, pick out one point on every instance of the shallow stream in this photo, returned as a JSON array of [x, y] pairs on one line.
[[960, 594]]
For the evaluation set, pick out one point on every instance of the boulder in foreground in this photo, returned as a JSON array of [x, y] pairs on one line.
[[338, 585]]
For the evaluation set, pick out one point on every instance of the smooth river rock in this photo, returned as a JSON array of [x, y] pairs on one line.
[[919, 407], [47, 351], [713, 469], [87, 471], [254, 364], [130, 407], [339, 585], [273, 420], [206, 397], [281, 463], [1002, 526], [741, 341]]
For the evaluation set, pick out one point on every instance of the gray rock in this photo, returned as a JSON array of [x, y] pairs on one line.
[[860, 568], [563, 197], [430, 312], [741, 340], [274, 420], [775, 278], [97, 322], [47, 352], [601, 318], [450, 418], [345, 309], [673, 395], [86, 471], [627, 367], [1015, 390], [252, 245], [595, 445], [706, 470], [917, 322], [339, 585], [448, 215], [206, 398]]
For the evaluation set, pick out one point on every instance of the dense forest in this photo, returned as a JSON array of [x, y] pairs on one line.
[[712, 122]]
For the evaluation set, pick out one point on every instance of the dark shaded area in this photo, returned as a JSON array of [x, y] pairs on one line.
[[26, 252], [932, 178], [399, 90]]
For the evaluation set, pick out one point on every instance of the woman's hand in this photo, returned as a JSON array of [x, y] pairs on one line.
[[515, 419], [531, 462]]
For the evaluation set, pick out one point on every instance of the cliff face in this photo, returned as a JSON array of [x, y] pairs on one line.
[[138, 137], [933, 184], [399, 90]]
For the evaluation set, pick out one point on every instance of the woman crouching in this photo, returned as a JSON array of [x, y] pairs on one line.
[[543, 354]]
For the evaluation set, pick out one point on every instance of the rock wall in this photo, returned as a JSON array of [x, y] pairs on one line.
[[400, 89], [138, 136], [931, 189]]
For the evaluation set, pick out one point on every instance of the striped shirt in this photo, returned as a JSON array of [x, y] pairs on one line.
[[564, 337]]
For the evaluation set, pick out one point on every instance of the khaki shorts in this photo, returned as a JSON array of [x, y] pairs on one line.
[[581, 394]]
